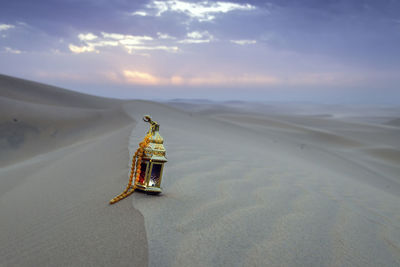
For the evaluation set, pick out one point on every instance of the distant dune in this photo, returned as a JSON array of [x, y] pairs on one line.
[[39, 93], [394, 122], [246, 184], [36, 118]]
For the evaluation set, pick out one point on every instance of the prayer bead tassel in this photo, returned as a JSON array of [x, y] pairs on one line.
[[138, 154]]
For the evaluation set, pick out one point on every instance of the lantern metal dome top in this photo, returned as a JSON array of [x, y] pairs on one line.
[[155, 151]]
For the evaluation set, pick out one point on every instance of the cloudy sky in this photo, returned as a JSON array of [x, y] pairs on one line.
[[285, 50]]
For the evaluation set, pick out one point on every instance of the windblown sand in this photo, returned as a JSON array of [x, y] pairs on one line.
[[62, 158], [272, 190], [244, 186]]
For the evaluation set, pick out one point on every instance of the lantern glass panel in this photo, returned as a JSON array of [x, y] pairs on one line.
[[143, 170], [155, 175]]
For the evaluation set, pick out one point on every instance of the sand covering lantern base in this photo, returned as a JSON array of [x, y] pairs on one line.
[[147, 164]]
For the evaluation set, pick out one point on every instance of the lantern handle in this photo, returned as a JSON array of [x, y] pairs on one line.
[[147, 118], [154, 124]]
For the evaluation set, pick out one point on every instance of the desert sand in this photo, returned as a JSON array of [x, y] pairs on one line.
[[245, 184], [62, 156]]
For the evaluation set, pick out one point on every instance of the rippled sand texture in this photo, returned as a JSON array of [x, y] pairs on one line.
[[56, 180], [259, 190], [245, 185]]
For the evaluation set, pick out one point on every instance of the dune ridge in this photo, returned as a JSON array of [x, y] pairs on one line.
[[36, 118], [39, 93], [62, 157]]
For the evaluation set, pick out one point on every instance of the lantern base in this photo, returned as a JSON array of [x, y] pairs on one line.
[[150, 190]]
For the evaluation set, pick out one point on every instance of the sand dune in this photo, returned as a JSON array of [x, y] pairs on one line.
[[242, 187], [394, 122], [386, 154], [246, 190], [36, 118], [38, 93], [63, 155]]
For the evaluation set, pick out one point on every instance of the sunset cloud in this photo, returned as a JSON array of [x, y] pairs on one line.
[[165, 36], [139, 13], [87, 37], [243, 42], [131, 43], [201, 11], [12, 51], [132, 48], [131, 39], [325, 79], [237, 80], [81, 49], [197, 38], [5, 27], [144, 78], [233, 80]]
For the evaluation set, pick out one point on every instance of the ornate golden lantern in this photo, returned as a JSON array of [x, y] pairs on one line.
[[147, 163], [153, 160]]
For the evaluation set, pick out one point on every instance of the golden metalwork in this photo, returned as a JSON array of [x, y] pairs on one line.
[[159, 153]]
